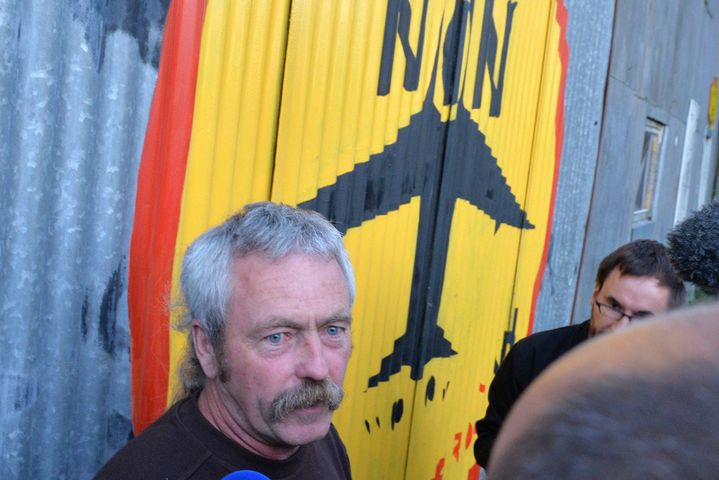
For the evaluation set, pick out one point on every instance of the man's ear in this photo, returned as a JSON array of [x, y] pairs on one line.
[[204, 351], [594, 295]]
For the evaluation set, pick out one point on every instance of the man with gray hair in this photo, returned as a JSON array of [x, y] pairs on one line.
[[269, 296]]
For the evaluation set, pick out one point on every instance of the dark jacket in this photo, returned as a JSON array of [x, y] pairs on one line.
[[524, 362]]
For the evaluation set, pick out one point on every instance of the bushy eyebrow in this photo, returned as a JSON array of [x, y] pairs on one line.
[[614, 302], [284, 322], [340, 317], [281, 322], [617, 304]]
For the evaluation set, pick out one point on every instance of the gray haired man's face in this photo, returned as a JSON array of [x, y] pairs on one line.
[[286, 347]]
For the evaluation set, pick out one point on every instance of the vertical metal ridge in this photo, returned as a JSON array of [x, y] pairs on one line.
[[72, 118]]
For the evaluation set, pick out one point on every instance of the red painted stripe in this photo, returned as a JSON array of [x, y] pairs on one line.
[[562, 17], [157, 209]]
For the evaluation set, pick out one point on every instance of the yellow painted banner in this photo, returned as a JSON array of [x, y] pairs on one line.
[[429, 132]]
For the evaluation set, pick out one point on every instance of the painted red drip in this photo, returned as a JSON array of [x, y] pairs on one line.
[[438, 470], [161, 178], [457, 443], [470, 435], [562, 17], [482, 388]]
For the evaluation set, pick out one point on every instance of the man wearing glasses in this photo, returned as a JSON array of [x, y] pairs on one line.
[[635, 281]]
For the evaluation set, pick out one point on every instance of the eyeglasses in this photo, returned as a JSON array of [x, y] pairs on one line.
[[614, 314]]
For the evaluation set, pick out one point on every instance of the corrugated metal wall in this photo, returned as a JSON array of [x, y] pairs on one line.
[[663, 61], [663, 57], [589, 34], [429, 132], [76, 81]]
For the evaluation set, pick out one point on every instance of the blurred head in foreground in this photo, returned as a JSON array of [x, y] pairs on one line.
[[638, 404]]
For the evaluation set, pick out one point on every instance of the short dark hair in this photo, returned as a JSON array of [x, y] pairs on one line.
[[644, 258], [660, 425]]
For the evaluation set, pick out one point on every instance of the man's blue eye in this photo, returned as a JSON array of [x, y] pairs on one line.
[[275, 338], [332, 330]]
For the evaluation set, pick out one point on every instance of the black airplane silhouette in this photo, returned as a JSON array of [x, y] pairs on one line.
[[440, 162]]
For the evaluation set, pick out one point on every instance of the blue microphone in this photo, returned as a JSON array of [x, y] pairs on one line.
[[245, 475]]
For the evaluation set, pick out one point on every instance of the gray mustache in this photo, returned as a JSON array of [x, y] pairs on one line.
[[306, 395]]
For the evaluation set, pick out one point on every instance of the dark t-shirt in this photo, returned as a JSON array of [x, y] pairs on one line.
[[524, 362], [183, 445]]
